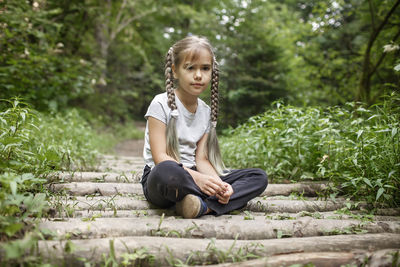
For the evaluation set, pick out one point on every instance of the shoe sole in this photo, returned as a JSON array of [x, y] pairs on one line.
[[189, 206]]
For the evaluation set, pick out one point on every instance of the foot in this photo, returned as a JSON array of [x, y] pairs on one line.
[[191, 206]]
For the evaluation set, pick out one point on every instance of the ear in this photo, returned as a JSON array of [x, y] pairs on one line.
[[174, 72]]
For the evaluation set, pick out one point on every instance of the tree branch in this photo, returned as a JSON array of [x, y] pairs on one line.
[[128, 21], [383, 55], [383, 23], [371, 11], [122, 7]]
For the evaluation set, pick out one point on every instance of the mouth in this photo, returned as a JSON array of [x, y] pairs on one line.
[[197, 84]]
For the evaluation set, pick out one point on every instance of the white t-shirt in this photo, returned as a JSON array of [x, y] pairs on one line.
[[190, 127]]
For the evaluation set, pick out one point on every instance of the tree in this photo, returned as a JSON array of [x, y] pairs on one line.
[[380, 15]]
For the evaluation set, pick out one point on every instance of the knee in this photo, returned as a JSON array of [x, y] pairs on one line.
[[167, 172], [261, 177], [165, 166]]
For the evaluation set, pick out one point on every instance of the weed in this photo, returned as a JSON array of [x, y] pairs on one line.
[[248, 215], [213, 254], [283, 216]]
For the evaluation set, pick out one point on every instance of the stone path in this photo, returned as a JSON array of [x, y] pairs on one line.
[[103, 217]]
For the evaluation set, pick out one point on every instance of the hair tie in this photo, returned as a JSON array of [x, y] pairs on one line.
[[214, 124], [175, 113]]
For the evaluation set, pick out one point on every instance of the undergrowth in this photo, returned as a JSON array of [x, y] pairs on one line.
[[354, 147], [33, 145]]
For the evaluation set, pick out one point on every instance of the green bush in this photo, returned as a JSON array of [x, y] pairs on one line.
[[33, 145], [356, 148]]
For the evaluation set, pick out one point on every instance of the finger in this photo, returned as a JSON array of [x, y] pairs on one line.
[[223, 201], [215, 187]]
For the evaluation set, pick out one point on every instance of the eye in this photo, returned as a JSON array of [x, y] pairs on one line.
[[206, 68]]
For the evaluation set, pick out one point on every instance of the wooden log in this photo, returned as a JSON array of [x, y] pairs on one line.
[[109, 177], [220, 229], [203, 251], [103, 189], [322, 259], [292, 206], [305, 189], [138, 202], [82, 188]]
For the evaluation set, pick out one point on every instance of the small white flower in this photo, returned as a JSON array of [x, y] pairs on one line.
[[26, 52], [93, 81], [35, 4], [389, 48], [60, 45]]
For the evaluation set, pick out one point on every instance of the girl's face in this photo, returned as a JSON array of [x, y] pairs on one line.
[[194, 72]]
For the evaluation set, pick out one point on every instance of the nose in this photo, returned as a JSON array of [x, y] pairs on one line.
[[197, 74]]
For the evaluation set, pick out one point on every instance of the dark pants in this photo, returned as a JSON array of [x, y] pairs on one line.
[[168, 182]]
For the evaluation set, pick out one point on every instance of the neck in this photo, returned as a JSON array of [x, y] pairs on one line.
[[189, 101]]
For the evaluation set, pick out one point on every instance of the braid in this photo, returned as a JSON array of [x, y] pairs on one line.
[[169, 83], [171, 134], [214, 92], [214, 153]]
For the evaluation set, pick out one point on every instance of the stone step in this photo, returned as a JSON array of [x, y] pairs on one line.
[[163, 251], [138, 202], [107, 189], [240, 228]]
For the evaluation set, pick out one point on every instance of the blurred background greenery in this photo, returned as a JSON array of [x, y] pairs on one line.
[[105, 58]]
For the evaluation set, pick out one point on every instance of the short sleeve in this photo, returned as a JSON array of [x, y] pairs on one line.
[[157, 110]]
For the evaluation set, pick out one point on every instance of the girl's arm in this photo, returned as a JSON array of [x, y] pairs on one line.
[[203, 165], [208, 184]]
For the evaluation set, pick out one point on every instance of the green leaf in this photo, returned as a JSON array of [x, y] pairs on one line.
[[380, 192], [394, 132], [13, 187], [11, 229], [359, 133], [279, 234], [367, 181]]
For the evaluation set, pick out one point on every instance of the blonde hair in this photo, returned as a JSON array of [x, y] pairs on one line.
[[174, 57]]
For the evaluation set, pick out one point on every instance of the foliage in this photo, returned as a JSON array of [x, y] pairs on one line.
[[354, 147], [107, 57], [35, 143], [35, 61], [31, 146], [337, 40]]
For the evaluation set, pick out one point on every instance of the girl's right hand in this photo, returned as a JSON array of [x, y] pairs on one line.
[[209, 185]]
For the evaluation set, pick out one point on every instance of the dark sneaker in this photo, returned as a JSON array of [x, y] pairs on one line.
[[191, 206]]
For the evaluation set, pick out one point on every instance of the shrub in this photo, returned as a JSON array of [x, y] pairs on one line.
[[31, 146], [355, 147]]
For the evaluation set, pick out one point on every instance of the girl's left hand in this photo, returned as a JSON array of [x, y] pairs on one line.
[[224, 197]]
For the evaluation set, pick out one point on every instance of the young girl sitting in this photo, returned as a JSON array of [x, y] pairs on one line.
[[181, 152]]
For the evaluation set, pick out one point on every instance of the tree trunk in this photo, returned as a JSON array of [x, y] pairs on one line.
[[364, 89]]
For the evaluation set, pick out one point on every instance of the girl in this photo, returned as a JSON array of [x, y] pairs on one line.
[[181, 152]]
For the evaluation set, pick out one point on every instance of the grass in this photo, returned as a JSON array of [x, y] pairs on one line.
[[32, 146], [354, 147]]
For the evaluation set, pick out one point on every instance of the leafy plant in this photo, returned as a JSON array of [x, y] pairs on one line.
[[355, 147], [32, 145]]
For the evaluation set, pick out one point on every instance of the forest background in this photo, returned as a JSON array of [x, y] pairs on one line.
[[106, 58]]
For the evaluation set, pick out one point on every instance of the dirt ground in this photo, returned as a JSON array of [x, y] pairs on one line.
[[131, 148]]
